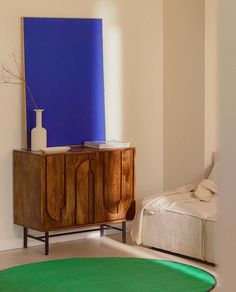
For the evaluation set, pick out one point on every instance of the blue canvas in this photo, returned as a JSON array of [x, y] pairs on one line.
[[64, 71]]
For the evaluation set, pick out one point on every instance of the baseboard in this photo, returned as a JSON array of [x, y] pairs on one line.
[[17, 242]]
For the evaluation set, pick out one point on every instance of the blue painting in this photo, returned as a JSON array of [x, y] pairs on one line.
[[64, 71]]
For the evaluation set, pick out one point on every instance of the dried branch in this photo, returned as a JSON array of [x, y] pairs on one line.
[[8, 77], [5, 69], [20, 70], [30, 93], [10, 82]]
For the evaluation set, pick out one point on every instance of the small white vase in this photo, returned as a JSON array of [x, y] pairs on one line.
[[38, 134]]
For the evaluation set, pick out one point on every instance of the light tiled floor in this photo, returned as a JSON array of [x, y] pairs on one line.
[[93, 247]]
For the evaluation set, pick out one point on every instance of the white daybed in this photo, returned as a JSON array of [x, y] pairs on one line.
[[190, 233], [183, 221]]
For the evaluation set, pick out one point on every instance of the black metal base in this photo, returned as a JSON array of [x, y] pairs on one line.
[[45, 238]]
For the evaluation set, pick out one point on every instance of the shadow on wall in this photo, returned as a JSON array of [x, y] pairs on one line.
[[133, 62]]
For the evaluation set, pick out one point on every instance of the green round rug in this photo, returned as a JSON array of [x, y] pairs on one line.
[[106, 274]]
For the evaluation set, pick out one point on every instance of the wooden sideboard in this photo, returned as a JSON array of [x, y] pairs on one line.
[[82, 187]]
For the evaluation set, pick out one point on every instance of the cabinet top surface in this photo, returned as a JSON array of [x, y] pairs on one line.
[[73, 150]]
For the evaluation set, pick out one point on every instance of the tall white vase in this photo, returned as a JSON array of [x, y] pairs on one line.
[[38, 134]]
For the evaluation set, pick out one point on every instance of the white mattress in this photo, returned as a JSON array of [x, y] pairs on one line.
[[186, 228], [174, 232]]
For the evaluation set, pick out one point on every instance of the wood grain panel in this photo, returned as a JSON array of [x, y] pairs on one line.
[[127, 181], [96, 166], [116, 201], [73, 163], [82, 192], [59, 207], [29, 179], [55, 198], [112, 181]]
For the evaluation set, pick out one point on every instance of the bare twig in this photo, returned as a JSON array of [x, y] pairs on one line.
[[8, 77], [30, 93], [5, 69], [4, 82], [20, 70]]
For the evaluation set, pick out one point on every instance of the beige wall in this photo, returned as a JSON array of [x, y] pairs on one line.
[[183, 92], [227, 93], [133, 53], [133, 62], [211, 81]]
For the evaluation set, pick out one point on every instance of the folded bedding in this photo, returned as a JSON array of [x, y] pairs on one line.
[[198, 209]]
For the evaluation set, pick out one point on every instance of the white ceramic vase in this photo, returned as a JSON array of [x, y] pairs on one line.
[[38, 134]]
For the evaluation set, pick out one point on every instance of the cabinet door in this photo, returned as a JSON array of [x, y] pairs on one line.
[[84, 179], [59, 205], [116, 200], [127, 203]]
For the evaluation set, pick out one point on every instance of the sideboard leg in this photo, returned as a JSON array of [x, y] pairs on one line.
[[25, 237], [46, 242], [124, 232], [101, 230]]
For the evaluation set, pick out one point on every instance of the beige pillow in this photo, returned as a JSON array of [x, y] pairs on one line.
[[205, 190]]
